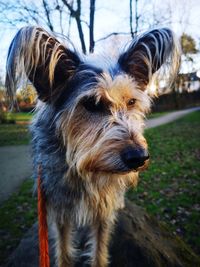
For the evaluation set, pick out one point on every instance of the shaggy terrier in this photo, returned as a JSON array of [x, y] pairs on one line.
[[87, 135]]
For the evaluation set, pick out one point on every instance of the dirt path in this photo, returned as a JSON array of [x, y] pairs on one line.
[[15, 163], [172, 116]]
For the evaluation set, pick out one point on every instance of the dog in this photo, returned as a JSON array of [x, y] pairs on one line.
[[87, 134]]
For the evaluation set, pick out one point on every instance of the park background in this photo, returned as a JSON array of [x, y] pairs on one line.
[[169, 190]]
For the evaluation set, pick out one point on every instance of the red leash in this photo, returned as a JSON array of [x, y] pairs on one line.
[[42, 227]]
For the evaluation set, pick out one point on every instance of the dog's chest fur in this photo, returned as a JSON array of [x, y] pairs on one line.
[[98, 204]]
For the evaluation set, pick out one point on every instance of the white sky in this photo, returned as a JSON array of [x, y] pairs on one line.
[[113, 16]]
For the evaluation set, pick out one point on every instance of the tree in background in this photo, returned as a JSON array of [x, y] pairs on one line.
[[189, 48], [27, 95], [137, 17], [189, 51], [67, 17], [58, 16], [54, 15]]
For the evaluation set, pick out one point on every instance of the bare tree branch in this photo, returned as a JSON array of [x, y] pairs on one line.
[[70, 7], [69, 25], [137, 17], [47, 12], [60, 10], [86, 23], [112, 34]]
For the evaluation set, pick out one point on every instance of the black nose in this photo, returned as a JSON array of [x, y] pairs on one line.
[[134, 158]]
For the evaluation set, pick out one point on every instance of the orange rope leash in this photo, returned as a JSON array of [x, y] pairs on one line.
[[43, 227]]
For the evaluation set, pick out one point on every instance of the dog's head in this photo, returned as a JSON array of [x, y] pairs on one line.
[[100, 110]]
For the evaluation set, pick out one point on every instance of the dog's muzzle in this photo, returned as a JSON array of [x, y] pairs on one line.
[[134, 157]]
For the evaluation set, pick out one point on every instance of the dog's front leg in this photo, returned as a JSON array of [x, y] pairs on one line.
[[102, 230], [64, 245]]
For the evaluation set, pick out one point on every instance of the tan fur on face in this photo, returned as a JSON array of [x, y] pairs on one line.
[[94, 142], [120, 90]]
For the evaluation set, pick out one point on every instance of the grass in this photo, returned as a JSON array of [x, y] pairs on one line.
[[170, 188], [13, 134], [155, 115], [20, 116], [16, 216]]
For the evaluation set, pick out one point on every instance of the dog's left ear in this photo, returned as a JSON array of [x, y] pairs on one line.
[[147, 53], [38, 56]]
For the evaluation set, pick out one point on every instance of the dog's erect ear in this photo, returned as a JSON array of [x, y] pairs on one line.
[[36, 55], [147, 53]]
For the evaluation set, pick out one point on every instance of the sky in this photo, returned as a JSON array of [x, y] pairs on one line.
[[113, 16]]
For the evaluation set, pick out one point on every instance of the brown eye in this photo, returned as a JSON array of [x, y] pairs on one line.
[[131, 102]]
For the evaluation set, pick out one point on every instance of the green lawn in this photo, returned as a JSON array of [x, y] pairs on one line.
[[20, 116], [155, 115], [16, 216], [13, 134], [170, 188]]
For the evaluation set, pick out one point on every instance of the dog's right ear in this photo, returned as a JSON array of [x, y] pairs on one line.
[[148, 53], [36, 55]]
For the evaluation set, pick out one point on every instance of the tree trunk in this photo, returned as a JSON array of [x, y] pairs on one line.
[[79, 26], [77, 15], [131, 17], [81, 35], [92, 12]]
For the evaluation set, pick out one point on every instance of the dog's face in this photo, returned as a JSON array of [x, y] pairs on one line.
[[101, 111], [103, 131]]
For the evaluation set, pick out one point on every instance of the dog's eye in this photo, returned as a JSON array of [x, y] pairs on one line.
[[91, 105], [131, 102]]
